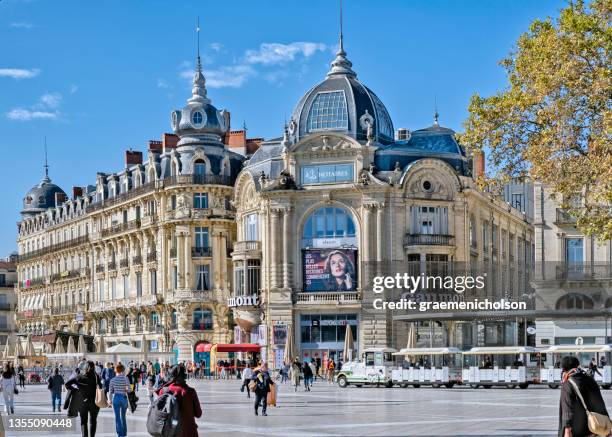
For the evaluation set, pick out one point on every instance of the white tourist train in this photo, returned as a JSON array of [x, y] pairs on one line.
[[551, 374], [428, 366], [374, 369], [509, 366]]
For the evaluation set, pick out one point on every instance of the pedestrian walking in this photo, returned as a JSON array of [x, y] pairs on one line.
[[9, 387], [593, 368], [247, 374], [307, 376], [107, 375], [573, 420], [151, 387], [284, 371], [55, 383], [331, 367], [296, 370], [118, 390], [261, 387], [189, 404], [86, 383], [21, 375], [313, 369]]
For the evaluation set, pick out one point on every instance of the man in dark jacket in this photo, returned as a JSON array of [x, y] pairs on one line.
[[263, 382], [107, 374], [55, 384], [572, 416]]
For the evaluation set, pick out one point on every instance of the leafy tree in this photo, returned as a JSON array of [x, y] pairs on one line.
[[553, 122]]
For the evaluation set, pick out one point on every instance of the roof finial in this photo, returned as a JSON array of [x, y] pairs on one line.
[[436, 115], [199, 82], [341, 65], [46, 162]]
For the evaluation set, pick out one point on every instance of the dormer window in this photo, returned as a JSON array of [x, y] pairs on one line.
[[197, 118]]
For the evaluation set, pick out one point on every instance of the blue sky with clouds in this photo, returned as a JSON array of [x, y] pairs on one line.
[[97, 78]]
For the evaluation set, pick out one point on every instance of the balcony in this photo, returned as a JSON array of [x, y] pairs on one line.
[[67, 274], [29, 283], [139, 329], [28, 314], [126, 330], [66, 309], [121, 227], [201, 252], [54, 248], [190, 296], [563, 217], [130, 194], [428, 240], [335, 297], [197, 179], [137, 260], [247, 247], [113, 330], [151, 257]]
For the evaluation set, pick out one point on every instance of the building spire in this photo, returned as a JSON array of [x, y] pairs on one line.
[[436, 115], [341, 65], [199, 82], [46, 166]]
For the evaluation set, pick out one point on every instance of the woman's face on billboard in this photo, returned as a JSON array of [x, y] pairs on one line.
[[337, 265]]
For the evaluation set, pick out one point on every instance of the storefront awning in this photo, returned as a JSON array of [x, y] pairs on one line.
[[244, 347]]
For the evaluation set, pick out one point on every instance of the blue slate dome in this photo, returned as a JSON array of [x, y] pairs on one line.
[[432, 142], [40, 197], [341, 103]]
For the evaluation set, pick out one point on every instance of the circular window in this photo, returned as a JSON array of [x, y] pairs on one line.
[[197, 118], [427, 186]]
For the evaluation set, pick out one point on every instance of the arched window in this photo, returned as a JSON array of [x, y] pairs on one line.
[[329, 223], [114, 325], [102, 326], [126, 324], [140, 321], [575, 301], [155, 320], [199, 167], [202, 319]]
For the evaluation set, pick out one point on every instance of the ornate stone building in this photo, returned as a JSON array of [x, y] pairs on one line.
[[142, 255], [336, 199]]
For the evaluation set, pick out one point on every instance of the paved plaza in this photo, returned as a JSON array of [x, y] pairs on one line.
[[330, 411]]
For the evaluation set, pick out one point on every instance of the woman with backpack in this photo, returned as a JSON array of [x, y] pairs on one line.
[[87, 383], [188, 402]]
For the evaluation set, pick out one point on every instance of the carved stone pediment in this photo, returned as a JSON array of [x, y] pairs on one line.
[[326, 143]]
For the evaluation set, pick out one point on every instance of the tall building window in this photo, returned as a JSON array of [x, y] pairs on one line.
[[202, 277], [153, 280], [113, 288], [574, 250], [155, 320], [252, 227], [200, 200], [239, 278], [253, 275], [201, 236], [101, 289], [199, 168], [202, 319], [173, 202], [485, 236], [174, 319], [126, 292], [517, 202], [138, 284], [174, 277], [429, 220]]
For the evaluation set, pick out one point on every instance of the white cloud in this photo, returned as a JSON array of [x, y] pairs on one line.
[[20, 114], [277, 53], [45, 109], [73, 88], [215, 46], [21, 25], [50, 100], [19, 73], [161, 83], [233, 76]]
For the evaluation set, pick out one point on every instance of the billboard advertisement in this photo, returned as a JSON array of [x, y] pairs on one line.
[[330, 270]]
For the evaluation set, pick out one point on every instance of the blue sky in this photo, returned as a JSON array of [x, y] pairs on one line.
[[97, 78]]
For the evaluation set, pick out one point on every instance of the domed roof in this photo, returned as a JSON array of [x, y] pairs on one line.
[[341, 103], [199, 121], [40, 197], [432, 142]]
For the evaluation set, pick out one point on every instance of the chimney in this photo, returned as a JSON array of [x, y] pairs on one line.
[[155, 146], [169, 141], [252, 144], [478, 163], [132, 157], [77, 192], [60, 198]]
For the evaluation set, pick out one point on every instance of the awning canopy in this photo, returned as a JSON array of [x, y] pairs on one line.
[[244, 347], [429, 351], [203, 347], [502, 350], [567, 348]]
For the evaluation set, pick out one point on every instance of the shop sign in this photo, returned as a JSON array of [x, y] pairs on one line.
[[327, 173], [243, 301]]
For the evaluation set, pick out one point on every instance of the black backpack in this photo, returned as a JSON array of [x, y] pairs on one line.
[[164, 418]]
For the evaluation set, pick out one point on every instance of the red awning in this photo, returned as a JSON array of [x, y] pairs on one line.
[[203, 347], [244, 347]]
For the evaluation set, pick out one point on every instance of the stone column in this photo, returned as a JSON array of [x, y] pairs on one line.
[[180, 261], [380, 217], [274, 261], [222, 260], [287, 233]]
